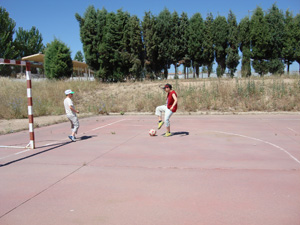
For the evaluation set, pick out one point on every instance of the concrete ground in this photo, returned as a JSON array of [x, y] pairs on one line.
[[214, 170]]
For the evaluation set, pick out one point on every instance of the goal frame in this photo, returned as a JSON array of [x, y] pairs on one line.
[[31, 143]]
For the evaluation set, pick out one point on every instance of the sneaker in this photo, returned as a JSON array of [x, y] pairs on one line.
[[160, 124], [168, 134], [72, 138]]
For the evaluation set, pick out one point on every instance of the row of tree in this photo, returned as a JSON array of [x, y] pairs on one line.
[[58, 62], [25, 42], [119, 46]]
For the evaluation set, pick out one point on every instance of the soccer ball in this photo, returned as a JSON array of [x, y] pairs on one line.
[[152, 132]]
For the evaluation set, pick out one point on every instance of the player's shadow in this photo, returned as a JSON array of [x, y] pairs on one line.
[[181, 133], [52, 147], [83, 138]]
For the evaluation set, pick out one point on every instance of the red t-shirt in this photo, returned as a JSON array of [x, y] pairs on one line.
[[170, 101]]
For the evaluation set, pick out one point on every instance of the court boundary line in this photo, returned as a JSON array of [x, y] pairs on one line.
[[292, 130], [260, 140], [46, 145]]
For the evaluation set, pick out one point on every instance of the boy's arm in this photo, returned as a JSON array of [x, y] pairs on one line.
[[74, 110], [175, 101]]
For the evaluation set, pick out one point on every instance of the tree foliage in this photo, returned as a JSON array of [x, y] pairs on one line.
[[164, 36], [7, 49], [296, 35], [119, 47], [260, 38], [58, 62], [244, 42], [195, 41], [289, 43], [89, 36], [232, 50], [275, 23], [28, 42], [220, 28], [79, 56], [150, 41], [208, 43]]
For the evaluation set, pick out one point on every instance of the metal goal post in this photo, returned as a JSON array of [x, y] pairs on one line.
[[29, 99]]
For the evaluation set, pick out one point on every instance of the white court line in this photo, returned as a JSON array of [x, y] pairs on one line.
[[106, 125], [97, 128], [266, 142], [17, 153], [292, 130], [8, 146]]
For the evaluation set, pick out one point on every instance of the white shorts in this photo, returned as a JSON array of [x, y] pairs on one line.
[[168, 113], [74, 123]]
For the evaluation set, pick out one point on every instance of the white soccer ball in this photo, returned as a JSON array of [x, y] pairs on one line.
[[152, 132]]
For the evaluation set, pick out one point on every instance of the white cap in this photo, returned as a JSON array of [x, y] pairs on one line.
[[69, 92]]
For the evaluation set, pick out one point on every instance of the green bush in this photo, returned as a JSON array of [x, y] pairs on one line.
[[58, 61]]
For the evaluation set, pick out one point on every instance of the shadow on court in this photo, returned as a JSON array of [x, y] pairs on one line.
[[181, 133], [53, 147]]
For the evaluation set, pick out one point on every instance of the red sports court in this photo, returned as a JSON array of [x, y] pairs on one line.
[[214, 170]]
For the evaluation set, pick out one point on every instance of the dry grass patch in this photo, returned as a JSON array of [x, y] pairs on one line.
[[234, 95]]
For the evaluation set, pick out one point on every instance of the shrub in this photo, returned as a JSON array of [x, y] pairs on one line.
[[58, 61]]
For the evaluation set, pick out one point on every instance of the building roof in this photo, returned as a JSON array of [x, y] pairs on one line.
[[40, 59]]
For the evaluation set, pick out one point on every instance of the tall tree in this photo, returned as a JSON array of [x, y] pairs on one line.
[[28, 42], [260, 38], [195, 43], [89, 36], [232, 50], [297, 39], [176, 41], [150, 40], [109, 49], [120, 42], [275, 23], [208, 43], [221, 43], [244, 40], [79, 56], [184, 36], [134, 48], [163, 25], [288, 50], [7, 49], [103, 47], [58, 61]]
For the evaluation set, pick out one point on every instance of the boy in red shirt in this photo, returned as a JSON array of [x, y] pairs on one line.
[[169, 108]]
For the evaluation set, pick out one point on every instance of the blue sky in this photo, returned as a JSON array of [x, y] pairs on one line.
[[56, 19]]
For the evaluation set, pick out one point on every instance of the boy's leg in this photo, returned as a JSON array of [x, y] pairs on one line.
[[158, 112], [74, 126], [168, 115]]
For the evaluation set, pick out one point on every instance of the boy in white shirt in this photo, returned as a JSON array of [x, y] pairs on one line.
[[71, 113]]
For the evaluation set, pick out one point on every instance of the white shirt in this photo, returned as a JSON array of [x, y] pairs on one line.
[[67, 103]]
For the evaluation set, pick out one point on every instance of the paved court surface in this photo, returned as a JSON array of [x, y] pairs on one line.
[[214, 170]]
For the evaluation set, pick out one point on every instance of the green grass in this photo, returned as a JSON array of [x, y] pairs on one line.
[[235, 95]]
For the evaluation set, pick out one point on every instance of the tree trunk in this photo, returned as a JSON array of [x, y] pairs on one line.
[[194, 71], [166, 73], [187, 72], [176, 75]]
